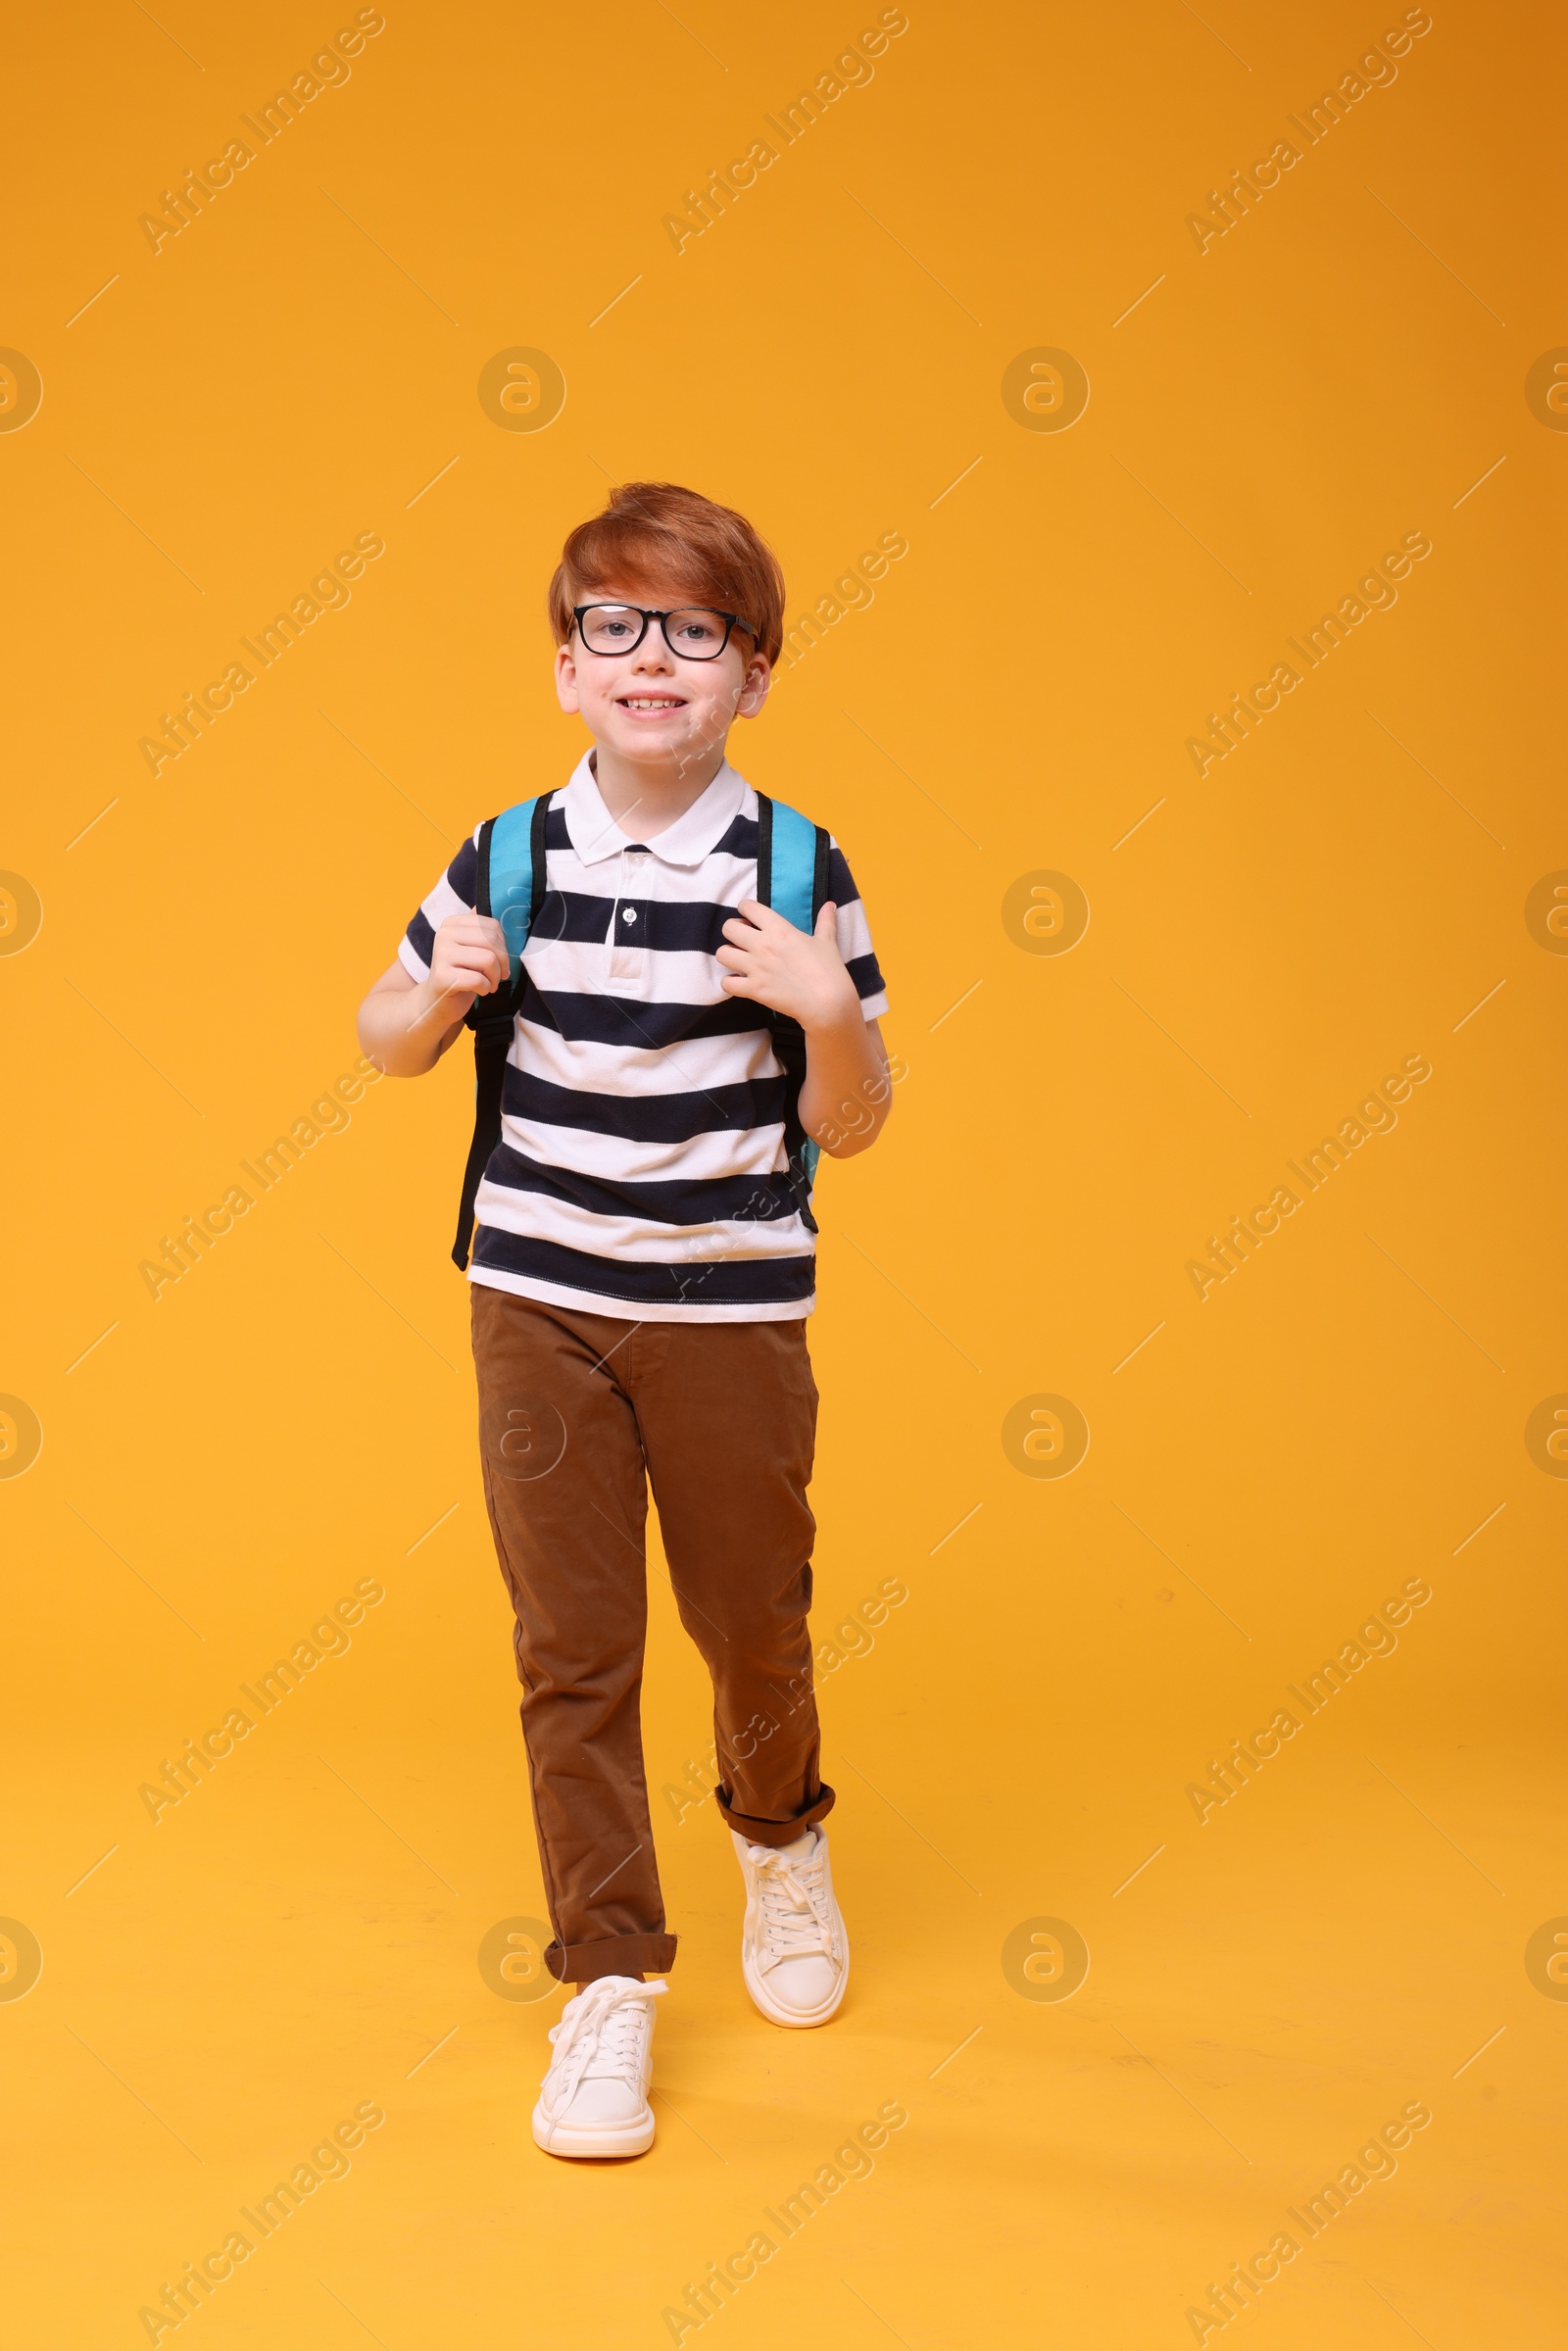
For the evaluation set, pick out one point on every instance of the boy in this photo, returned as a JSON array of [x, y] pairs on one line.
[[643, 1267]]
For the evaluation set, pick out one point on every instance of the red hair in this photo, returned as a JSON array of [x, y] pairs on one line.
[[663, 540]]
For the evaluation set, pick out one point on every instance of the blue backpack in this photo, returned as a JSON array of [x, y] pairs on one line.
[[792, 873]]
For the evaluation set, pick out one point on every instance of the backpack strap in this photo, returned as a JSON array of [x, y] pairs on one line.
[[791, 869], [510, 885]]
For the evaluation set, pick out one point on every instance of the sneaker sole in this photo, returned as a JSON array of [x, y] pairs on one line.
[[778, 2015], [619, 2139]]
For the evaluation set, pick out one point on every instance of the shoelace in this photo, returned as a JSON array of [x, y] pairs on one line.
[[794, 1902], [601, 2030]]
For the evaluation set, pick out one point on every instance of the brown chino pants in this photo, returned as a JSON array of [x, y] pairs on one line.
[[578, 1414]]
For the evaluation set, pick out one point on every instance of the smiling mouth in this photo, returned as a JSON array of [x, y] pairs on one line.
[[651, 702]]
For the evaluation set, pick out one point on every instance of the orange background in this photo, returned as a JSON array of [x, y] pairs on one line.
[[1267, 418]]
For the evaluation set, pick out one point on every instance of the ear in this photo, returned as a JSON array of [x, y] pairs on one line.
[[753, 687], [566, 680]]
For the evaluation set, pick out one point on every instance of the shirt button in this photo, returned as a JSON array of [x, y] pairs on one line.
[[627, 915]]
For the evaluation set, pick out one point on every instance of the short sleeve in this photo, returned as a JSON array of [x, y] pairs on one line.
[[454, 894], [854, 936]]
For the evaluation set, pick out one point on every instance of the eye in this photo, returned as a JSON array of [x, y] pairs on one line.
[[608, 627], [697, 632]]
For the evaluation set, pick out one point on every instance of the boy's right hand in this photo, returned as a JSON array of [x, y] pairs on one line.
[[406, 1024], [469, 959]]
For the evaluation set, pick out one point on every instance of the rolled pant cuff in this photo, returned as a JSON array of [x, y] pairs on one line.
[[774, 1833], [611, 1955]]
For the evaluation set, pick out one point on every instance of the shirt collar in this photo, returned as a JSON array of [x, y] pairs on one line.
[[595, 835]]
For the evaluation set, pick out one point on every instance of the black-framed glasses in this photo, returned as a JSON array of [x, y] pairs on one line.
[[693, 632]]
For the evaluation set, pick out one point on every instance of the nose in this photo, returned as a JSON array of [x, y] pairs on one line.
[[653, 654]]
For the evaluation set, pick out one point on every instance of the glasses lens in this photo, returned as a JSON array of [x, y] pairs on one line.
[[611, 627], [696, 635]]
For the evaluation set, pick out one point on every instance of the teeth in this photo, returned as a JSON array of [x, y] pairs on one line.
[[648, 702]]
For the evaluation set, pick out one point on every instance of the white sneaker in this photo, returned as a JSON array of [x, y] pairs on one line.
[[595, 2095], [795, 1955]]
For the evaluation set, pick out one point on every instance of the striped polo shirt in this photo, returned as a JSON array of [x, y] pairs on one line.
[[641, 1170]]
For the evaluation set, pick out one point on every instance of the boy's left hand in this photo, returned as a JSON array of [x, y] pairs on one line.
[[769, 960]]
